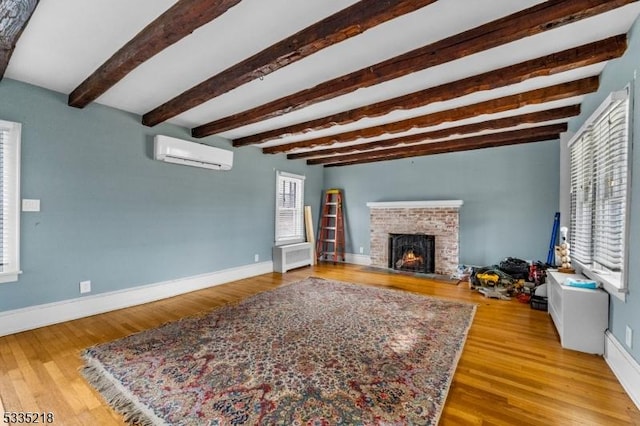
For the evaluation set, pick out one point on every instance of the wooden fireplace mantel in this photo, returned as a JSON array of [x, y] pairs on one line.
[[415, 204]]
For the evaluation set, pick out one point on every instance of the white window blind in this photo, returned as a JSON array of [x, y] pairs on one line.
[[599, 173], [10, 134], [289, 208]]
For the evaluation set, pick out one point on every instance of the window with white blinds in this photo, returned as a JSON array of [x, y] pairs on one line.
[[581, 200], [599, 170], [289, 208], [10, 134]]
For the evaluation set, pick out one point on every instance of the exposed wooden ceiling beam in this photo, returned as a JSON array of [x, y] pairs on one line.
[[500, 123], [566, 60], [493, 106], [340, 26], [449, 150], [537, 19], [14, 16], [177, 22], [533, 134]]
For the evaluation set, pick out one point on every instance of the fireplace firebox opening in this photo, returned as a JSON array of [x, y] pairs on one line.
[[412, 252]]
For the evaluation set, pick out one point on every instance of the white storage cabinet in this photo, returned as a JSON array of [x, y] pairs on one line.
[[580, 315]]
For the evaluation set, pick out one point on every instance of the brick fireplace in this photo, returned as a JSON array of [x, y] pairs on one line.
[[439, 219]]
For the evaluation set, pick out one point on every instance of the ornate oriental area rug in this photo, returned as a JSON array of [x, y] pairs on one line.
[[315, 352]]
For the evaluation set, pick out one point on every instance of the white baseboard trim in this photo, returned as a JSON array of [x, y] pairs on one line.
[[624, 366], [23, 319], [357, 259]]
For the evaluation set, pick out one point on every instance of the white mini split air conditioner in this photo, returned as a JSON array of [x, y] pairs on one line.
[[173, 150]]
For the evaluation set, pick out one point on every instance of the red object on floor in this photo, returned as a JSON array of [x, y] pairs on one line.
[[331, 235]]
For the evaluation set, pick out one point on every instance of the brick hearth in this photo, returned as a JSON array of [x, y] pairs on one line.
[[438, 218]]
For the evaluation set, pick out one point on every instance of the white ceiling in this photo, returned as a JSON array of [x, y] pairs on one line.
[[66, 40]]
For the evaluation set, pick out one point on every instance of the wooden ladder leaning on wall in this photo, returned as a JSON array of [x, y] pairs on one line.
[[330, 244]]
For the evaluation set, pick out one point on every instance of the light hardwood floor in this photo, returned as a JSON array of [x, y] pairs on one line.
[[512, 370]]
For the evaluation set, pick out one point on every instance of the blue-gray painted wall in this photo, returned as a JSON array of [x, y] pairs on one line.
[[113, 215], [616, 76], [510, 196]]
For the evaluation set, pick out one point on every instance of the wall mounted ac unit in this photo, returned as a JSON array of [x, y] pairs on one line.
[[173, 150]]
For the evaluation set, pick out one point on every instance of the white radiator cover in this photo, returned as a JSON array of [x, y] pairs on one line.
[[292, 256]]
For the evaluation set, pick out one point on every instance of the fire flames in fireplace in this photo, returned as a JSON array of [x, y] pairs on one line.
[[412, 252], [410, 260]]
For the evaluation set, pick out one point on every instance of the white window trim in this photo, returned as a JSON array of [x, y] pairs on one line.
[[281, 242], [15, 135], [613, 283], [608, 280]]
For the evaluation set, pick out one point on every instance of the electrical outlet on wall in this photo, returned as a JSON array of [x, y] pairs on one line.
[[30, 205], [256, 257], [85, 286], [628, 337], [361, 250]]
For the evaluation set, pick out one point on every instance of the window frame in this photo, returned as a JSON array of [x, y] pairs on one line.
[[614, 282], [298, 235], [11, 171]]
